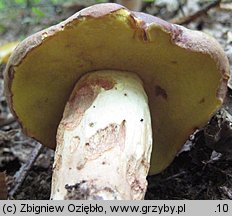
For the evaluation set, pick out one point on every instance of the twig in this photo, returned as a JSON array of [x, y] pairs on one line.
[[23, 171], [3, 187], [226, 191], [190, 18], [174, 176]]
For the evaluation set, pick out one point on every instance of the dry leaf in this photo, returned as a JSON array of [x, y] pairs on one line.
[[226, 7]]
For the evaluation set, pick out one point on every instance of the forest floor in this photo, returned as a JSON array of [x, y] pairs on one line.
[[196, 173]]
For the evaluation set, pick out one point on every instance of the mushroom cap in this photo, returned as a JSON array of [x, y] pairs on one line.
[[184, 72]]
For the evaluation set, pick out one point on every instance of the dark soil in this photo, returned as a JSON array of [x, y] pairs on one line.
[[196, 173]]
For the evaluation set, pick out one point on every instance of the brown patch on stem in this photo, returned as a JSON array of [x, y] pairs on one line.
[[105, 139], [83, 97], [89, 190]]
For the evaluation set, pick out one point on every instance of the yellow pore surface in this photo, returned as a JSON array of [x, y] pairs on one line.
[[181, 85]]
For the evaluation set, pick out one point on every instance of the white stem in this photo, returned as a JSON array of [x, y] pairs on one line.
[[104, 140]]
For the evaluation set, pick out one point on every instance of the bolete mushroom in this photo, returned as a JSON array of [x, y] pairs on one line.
[[6, 50], [106, 57]]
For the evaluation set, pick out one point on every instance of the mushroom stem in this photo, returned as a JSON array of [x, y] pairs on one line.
[[104, 140]]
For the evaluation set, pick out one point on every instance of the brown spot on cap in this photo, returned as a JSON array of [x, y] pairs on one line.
[[161, 92], [174, 62], [202, 101]]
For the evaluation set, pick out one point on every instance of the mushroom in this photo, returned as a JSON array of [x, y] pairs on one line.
[[6, 50], [107, 86]]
